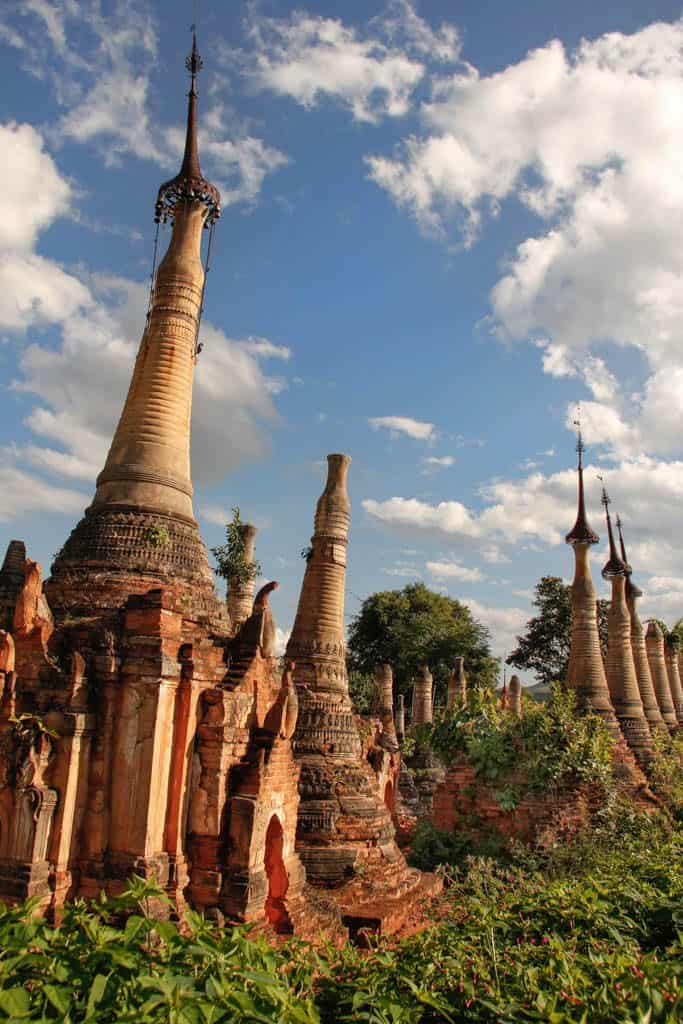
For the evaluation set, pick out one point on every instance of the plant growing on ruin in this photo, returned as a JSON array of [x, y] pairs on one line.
[[158, 536], [515, 756], [232, 563]]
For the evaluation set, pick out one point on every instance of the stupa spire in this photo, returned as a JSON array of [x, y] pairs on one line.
[[141, 519], [586, 673], [638, 647], [189, 183], [614, 566], [581, 532]]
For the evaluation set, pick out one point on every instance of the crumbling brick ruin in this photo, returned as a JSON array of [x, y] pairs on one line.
[[145, 725]]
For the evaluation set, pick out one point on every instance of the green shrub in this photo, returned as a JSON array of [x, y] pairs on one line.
[[544, 746]]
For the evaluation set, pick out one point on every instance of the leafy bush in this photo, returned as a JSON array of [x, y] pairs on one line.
[[597, 946], [433, 847], [546, 745], [666, 771]]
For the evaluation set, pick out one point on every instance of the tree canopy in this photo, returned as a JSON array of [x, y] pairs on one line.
[[413, 627], [544, 647]]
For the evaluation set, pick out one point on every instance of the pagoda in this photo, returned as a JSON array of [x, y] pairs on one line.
[[621, 670], [586, 674]]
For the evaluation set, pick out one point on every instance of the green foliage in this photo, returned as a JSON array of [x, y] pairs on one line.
[[232, 564], [158, 536], [413, 627], [433, 847], [548, 744], [600, 945], [666, 771], [363, 692], [544, 647]]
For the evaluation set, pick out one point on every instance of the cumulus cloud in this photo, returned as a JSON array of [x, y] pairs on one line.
[[539, 508], [372, 72], [454, 570], [417, 429], [23, 493], [590, 143], [503, 623]]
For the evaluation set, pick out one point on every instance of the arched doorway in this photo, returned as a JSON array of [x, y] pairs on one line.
[[278, 882], [389, 796]]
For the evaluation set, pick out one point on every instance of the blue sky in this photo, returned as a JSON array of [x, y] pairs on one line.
[[443, 226]]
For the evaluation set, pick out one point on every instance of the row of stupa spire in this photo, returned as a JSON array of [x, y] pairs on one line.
[[636, 689]]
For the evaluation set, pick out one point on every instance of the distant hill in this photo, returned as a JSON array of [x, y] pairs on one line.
[[539, 691]]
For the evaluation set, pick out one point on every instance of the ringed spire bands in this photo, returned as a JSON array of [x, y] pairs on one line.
[[141, 518]]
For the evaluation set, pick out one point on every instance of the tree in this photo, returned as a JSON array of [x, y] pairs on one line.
[[544, 647], [413, 627], [232, 562]]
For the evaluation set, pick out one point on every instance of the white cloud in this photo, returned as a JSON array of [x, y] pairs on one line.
[[416, 429], [646, 492], [23, 493], [504, 624], [590, 142], [307, 57], [448, 517], [281, 639], [433, 463], [454, 570]]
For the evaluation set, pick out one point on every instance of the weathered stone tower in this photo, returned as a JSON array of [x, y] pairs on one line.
[[671, 659], [344, 830], [586, 669], [457, 684], [642, 665], [515, 696], [11, 581], [141, 523], [241, 592], [423, 689], [654, 645], [621, 669]]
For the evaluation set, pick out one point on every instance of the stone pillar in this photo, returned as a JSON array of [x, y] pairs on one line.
[[241, 595], [422, 698], [343, 824], [671, 658], [654, 645], [11, 581], [384, 677], [457, 684], [621, 675], [643, 673], [515, 696], [586, 674], [401, 717]]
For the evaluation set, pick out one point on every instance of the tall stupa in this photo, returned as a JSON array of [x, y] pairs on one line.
[[622, 678], [586, 668], [140, 529]]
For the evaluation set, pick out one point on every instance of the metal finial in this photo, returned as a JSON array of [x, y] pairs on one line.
[[633, 589], [580, 447], [189, 184], [614, 566], [581, 533], [194, 62]]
